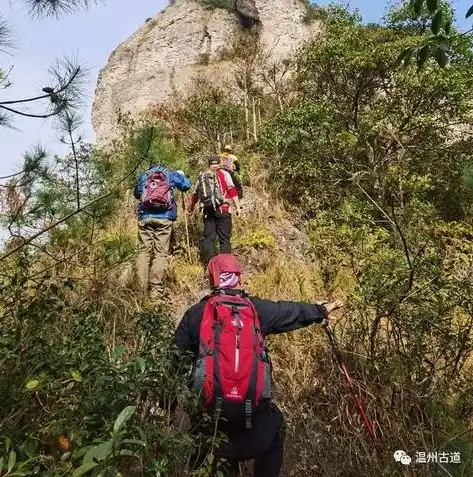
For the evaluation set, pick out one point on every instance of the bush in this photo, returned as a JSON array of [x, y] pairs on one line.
[[214, 4]]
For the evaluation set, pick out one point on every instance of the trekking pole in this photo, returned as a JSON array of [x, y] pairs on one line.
[[369, 426], [187, 228]]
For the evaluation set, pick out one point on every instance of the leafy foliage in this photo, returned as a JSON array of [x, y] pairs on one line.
[[359, 123], [436, 15], [214, 4], [208, 114], [377, 159], [56, 8]]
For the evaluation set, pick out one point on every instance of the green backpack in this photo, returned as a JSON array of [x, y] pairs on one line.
[[209, 192]]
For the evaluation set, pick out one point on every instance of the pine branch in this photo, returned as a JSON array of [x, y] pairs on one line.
[[66, 94], [144, 153], [56, 8]]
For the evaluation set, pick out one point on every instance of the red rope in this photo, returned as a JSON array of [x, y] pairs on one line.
[[369, 425]]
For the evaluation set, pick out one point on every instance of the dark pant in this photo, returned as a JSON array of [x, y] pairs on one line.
[[264, 443], [219, 225]]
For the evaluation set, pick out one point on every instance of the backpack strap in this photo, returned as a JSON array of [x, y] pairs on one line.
[[229, 291]]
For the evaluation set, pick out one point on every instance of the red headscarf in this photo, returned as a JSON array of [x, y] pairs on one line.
[[223, 263]]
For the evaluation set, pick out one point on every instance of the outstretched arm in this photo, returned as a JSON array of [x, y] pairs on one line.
[[187, 332], [285, 316], [138, 192], [181, 181]]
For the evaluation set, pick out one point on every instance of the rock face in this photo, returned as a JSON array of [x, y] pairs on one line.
[[166, 54], [247, 9]]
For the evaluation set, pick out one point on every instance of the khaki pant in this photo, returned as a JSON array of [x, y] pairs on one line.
[[154, 238]]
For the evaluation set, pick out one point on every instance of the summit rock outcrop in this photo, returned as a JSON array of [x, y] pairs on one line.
[[166, 54]]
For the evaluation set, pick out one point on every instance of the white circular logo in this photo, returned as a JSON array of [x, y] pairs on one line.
[[398, 455], [405, 459]]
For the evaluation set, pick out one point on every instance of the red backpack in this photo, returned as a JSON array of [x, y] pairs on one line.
[[157, 192], [233, 371]]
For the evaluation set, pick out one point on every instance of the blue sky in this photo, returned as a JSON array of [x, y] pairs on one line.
[[90, 36]]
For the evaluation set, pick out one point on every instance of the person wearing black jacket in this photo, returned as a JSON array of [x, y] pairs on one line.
[[264, 440]]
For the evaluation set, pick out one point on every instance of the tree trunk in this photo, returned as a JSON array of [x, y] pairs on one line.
[[247, 120], [254, 119]]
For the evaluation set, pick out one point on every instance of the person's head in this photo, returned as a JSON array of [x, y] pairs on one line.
[[227, 149], [224, 271], [214, 162]]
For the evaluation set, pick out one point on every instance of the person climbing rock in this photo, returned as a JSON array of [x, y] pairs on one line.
[[231, 164], [157, 212], [224, 336], [214, 190]]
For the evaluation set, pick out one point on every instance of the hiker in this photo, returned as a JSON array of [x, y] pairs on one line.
[[231, 164], [214, 190], [156, 214], [224, 334]]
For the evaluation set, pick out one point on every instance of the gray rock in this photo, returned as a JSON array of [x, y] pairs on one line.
[[247, 9], [164, 56]]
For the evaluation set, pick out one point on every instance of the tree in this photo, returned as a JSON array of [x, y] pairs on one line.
[[360, 122], [208, 115], [436, 14], [64, 91], [62, 96]]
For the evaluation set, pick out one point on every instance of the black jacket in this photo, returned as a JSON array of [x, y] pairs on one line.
[[275, 317]]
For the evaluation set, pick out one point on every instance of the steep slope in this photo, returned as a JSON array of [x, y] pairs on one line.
[[165, 54]]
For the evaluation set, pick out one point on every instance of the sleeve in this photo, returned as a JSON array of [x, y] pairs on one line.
[[140, 183], [231, 189], [194, 199], [186, 334], [181, 181], [285, 316]]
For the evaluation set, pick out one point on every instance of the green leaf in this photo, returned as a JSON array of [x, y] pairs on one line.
[[437, 22], [1, 464], [142, 364], [119, 350], [76, 376], [98, 453], [11, 461], [441, 56], [123, 418], [134, 441], [65, 456], [83, 469], [432, 5], [448, 27], [469, 12], [128, 453], [417, 4], [405, 57], [423, 56], [142, 434], [32, 384]]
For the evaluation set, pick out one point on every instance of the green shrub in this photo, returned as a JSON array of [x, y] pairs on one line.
[[214, 4]]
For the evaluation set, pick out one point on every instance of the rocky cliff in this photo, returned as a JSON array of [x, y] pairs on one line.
[[165, 54]]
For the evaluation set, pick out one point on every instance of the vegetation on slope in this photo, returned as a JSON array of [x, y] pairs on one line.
[[372, 162]]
